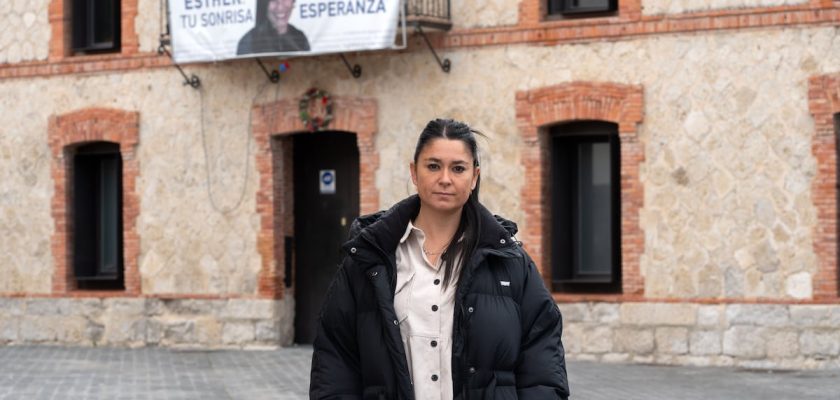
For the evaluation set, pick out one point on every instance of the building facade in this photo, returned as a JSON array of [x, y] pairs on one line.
[[672, 166]]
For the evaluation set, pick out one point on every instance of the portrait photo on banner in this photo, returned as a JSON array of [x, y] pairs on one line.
[[213, 30]]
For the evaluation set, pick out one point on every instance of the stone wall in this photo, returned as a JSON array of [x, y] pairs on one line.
[[727, 209], [472, 14], [26, 31], [657, 7], [744, 335], [146, 321], [150, 22], [728, 212]]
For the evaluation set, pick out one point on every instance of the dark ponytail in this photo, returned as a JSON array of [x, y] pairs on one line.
[[470, 225]]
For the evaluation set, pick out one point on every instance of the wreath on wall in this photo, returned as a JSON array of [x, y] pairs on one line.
[[318, 98]]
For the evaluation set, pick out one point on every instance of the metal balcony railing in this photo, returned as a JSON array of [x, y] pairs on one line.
[[428, 14]]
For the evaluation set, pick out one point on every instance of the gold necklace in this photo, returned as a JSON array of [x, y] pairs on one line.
[[429, 253]]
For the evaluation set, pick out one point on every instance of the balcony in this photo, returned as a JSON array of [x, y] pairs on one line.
[[432, 14]]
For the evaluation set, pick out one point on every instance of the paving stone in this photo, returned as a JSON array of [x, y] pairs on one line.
[[95, 373]]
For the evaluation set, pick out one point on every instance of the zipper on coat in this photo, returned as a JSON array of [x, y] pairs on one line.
[[392, 287]]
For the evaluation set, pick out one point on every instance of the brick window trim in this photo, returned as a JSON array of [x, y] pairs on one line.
[[824, 103], [536, 111], [60, 37], [79, 127], [354, 115]]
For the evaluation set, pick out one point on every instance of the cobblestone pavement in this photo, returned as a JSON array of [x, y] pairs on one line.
[[40, 373]]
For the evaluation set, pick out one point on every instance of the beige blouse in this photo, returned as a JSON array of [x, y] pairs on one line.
[[425, 310]]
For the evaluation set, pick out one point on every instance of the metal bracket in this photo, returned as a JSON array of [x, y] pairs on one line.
[[355, 70], [446, 64], [191, 80], [273, 75]]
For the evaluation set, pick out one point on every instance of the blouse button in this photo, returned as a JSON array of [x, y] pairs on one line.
[[472, 370], [502, 241], [470, 309], [353, 250], [434, 308], [437, 281], [434, 343], [434, 378]]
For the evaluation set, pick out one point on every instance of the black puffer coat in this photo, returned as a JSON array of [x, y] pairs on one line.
[[506, 339]]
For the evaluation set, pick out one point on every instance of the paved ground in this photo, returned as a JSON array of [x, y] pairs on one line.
[[40, 373]]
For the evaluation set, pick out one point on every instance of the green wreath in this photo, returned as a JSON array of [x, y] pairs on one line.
[[316, 123]]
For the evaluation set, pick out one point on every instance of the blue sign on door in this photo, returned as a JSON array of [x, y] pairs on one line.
[[327, 181]]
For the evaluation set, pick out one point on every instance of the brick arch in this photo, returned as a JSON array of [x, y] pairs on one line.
[[824, 104], [281, 119], [539, 108], [90, 125]]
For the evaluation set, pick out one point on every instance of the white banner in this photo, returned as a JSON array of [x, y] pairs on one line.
[[212, 30]]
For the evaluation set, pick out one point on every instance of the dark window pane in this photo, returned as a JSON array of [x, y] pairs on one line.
[[95, 25], [84, 206], [97, 216], [585, 207], [109, 216], [594, 227], [581, 6], [103, 21]]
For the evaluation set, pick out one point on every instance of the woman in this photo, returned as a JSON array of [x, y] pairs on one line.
[[272, 32], [435, 298]]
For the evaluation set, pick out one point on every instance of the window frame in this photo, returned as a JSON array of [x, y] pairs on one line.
[[563, 196], [90, 271]]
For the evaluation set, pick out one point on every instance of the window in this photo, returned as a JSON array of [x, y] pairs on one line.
[[586, 207], [95, 26], [97, 216], [569, 7]]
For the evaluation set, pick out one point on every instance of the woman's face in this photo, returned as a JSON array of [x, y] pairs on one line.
[[279, 12], [444, 174]]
